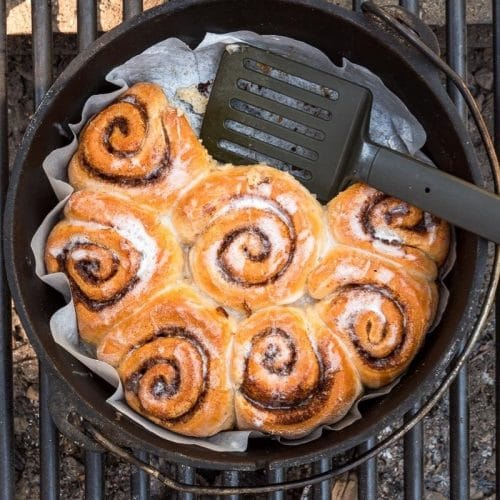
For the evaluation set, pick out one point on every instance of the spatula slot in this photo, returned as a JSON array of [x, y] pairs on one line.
[[264, 114], [271, 139], [253, 156], [296, 81], [269, 109], [286, 100]]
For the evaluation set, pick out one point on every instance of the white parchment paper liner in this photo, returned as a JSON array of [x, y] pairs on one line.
[[172, 65]]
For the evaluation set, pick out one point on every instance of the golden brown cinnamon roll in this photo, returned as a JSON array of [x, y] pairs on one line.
[[370, 220], [139, 146], [114, 255], [379, 310], [290, 372], [173, 361], [256, 234]]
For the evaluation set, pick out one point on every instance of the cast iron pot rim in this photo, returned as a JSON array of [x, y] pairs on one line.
[[218, 458]]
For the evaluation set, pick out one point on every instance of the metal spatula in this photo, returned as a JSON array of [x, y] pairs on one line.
[[270, 109]]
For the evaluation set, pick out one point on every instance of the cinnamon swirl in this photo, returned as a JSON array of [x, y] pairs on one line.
[[114, 255], [379, 310], [172, 359], [290, 372], [256, 234], [139, 146], [365, 218]]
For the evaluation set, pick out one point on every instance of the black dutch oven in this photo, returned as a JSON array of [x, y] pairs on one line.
[[338, 33]]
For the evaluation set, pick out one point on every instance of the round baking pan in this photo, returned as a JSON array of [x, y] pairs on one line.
[[336, 32]]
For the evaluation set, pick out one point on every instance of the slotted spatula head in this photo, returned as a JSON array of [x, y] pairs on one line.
[[269, 109]]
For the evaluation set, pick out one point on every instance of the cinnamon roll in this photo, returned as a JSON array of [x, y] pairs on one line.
[[139, 146], [290, 372], [379, 310], [367, 219], [172, 359], [256, 234], [114, 255]]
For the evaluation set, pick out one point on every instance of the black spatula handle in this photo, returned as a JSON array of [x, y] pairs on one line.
[[448, 197]]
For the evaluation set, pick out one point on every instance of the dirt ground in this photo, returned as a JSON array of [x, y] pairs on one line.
[[390, 472]]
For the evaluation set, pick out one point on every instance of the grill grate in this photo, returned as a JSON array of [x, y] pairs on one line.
[[41, 20], [456, 38], [140, 483]]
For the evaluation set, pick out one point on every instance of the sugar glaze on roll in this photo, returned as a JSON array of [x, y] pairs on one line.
[[291, 373], [379, 310], [172, 359], [139, 146], [115, 256], [367, 219], [255, 234]]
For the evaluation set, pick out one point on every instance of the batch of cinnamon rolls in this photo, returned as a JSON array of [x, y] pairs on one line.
[[227, 297]]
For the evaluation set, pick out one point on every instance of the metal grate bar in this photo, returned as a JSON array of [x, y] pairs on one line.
[[140, 484], [414, 460], [87, 22], [187, 475], [41, 15], [356, 4], [414, 439], [94, 476], [323, 490], [496, 115], [231, 478], [456, 40], [131, 8], [42, 47], [367, 473], [456, 47], [411, 5], [367, 481], [139, 481], [277, 475], [49, 444], [94, 462], [6, 403]]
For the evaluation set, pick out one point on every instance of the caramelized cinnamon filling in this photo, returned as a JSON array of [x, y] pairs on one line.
[[154, 176], [276, 351], [166, 382], [257, 248], [120, 123], [368, 332], [395, 214], [90, 272]]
